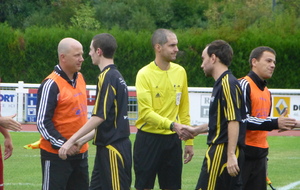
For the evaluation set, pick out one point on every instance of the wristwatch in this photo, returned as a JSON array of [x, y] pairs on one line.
[[172, 126]]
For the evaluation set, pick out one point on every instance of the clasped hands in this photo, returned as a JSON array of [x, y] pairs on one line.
[[186, 132], [68, 150]]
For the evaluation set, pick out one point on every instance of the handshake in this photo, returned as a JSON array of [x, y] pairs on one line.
[[186, 132], [286, 123]]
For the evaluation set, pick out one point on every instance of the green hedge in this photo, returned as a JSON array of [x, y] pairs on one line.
[[30, 56]]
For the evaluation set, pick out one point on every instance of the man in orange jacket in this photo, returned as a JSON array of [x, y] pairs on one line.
[[258, 107], [62, 111]]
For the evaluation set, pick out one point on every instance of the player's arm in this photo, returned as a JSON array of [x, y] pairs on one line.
[[86, 138], [9, 123], [46, 104], [196, 130], [233, 105], [184, 109], [7, 143], [80, 135], [145, 104], [233, 134], [297, 124], [184, 115]]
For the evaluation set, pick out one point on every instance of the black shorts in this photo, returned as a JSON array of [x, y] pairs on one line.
[[255, 174], [65, 174], [159, 155], [214, 174], [112, 168]]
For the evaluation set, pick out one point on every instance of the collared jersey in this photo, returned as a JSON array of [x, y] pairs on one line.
[[62, 109], [111, 105], [162, 98], [226, 104]]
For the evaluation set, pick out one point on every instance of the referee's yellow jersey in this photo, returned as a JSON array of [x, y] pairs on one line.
[[162, 98]]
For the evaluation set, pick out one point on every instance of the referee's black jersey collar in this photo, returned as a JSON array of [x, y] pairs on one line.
[[260, 83], [113, 66], [59, 70]]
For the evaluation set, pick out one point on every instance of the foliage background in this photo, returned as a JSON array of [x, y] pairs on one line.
[[31, 29]]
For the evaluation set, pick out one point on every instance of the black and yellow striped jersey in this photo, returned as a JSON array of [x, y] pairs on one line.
[[226, 104], [111, 105]]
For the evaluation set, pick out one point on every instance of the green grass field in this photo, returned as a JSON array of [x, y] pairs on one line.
[[23, 171]]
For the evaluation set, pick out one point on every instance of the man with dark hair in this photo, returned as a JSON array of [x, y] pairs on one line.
[[109, 125], [258, 102], [221, 169], [163, 105]]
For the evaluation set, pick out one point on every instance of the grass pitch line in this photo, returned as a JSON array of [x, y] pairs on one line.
[[22, 184], [290, 186]]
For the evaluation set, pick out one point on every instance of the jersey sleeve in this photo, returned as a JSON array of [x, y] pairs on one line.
[[46, 104], [232, 99], [146, 110], [184, 108]]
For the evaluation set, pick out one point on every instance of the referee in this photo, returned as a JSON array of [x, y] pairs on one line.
[[163, 103]]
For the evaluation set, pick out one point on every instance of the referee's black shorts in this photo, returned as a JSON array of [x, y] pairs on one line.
[[160, 155], [214, 174]]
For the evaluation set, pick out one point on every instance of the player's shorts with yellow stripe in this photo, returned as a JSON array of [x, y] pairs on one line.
[[214, 175], [112, 168]]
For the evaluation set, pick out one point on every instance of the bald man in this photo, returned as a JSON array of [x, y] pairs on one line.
[[62, 111]]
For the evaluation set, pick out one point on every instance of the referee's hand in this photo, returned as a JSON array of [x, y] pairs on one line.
[[182, 132]]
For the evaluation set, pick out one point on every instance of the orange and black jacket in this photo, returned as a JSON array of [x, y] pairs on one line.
[[61, 111], [258, 103]]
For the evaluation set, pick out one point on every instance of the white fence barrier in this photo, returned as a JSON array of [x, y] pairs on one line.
[[20, 98]]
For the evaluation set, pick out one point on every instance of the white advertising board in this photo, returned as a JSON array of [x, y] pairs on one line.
[[199, 107], [289, 102], [8, 102]]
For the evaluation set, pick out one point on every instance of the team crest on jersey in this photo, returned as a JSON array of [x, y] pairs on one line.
[[122, 82]]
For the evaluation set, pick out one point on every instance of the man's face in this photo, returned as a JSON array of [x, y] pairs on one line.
[[73, 58], [207, 64], [93, 54], [169, 50], [264, 67]]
